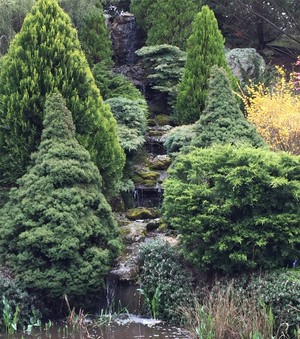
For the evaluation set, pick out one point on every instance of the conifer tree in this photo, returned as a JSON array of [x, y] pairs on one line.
[[94, 37], [45, 57], [222, 121], [57, 232], [205, 48], [170, 22]]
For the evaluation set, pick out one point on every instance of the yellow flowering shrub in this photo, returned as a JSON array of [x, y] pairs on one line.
[[275, 111]]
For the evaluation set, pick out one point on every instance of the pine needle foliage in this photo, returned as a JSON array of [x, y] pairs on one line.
[[94, 37], [57, 232], [170, 22], [222, 121], [43, 58], [165, 67], [205, 48], [237, 209]]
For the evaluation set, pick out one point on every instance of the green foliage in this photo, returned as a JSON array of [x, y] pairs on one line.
[[165, 22], [141, 10], [164, 279], [15, 297], [169, 22], [205, 48], [236, 208], [131, 117], [94, 37], [45, 57], [57, 232], [222, 121], [12, 14], [165, 66], [114, 85], [179, 137], [280, 290]]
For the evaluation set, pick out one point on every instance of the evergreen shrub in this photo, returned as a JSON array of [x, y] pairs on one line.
[[205, 48], [163, 270], [179, 137], [132, 116], [279, 290], [236, 208], [114, 85], [222, 121], [58, 235]]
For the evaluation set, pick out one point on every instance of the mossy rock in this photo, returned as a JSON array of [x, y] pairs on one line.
[[133, 232], [160, 162], [151, 122], [145, 177], [155, 133], [163, 119], [142, 213]]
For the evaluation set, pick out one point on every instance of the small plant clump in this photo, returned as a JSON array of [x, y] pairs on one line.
[[165, 282]]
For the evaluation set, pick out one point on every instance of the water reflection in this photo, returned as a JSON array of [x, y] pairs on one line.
[[125, 326]]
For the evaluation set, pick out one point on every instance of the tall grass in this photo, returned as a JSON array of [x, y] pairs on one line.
[[225, 313]]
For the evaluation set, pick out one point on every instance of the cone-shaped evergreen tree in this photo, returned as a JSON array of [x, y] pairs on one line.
[[205, 48], [222, 121], [43, 58], [57, 231]]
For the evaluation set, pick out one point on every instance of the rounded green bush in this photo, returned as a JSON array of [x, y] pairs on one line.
[[236, 208]]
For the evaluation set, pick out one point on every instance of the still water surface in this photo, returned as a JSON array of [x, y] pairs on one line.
[[123, 327]]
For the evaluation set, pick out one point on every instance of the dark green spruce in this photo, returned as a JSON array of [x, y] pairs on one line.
[[222, 121], [57, 232]]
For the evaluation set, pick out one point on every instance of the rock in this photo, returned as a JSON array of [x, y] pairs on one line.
[[245, 63], [123, 33], [163, 119], [133, 232], [160, 162], [127, 266], [144, 177], [153, 225], [142, 213]]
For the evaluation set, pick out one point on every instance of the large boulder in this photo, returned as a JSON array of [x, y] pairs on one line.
[[245, 63]]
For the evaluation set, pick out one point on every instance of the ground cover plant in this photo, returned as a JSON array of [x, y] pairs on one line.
[[165, 282]]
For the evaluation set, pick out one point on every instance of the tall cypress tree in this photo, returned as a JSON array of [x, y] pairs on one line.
[[45, 57], [222, 121], [205, 48], [57, 231]]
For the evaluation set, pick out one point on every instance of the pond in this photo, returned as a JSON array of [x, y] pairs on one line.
[[125, 326]]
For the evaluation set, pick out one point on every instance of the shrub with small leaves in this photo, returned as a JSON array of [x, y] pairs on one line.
[[163, 270], [280, 290], [15, 295], [179, 137]]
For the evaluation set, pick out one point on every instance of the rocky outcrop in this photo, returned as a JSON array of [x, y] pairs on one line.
[[124, 38], [245, 63]]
